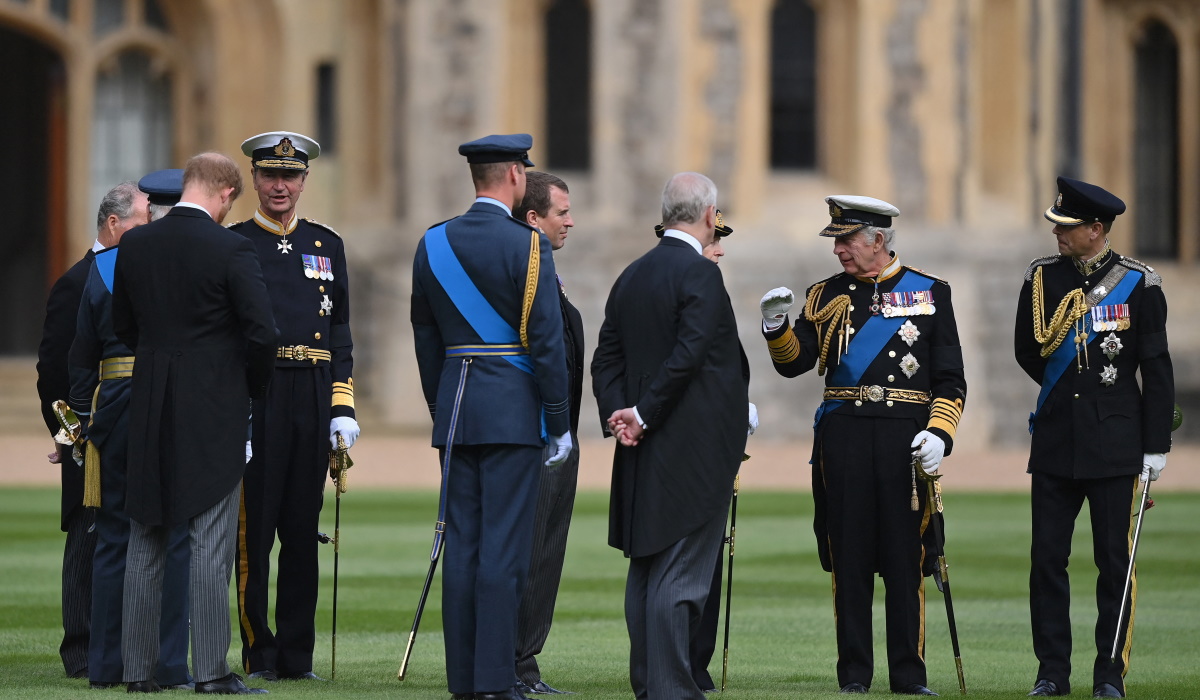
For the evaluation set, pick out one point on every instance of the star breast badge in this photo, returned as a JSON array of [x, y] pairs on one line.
[[326, 303], [909, 365], [1111, 345], [908, 332], [1108, 376]]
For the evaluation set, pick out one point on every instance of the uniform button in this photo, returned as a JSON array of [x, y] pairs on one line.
[[891, 377], [321, 288], [891, 353], [858, 402], [850, 331], [317, 336], [321, 312], [1076, 395], [852, 287], [318, 244], [889, 403]]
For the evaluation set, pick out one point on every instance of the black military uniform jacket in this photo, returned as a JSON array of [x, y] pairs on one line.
[[1097, 422], [304, 266]]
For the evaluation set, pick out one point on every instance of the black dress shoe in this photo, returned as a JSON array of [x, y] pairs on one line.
[[1044, 689], [462, 696], [81, 673], [543, 688], [913, 689], [266, 674], [303, 676], [853, 688], [190, 685], [1106, 690], [510, 694], [143, 687], [229, 685]]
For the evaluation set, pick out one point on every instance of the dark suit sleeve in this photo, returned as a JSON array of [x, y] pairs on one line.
[[948, 382], [794, 350], [1026, 348], [83, 363], [341, 344], [608, 364], [546, 347], [62, 307], [1158, 379], [699, 314], [427, 339], [252, 304]]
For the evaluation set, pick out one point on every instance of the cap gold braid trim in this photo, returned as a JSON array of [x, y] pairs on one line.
[[531, 285], [343, 393], [835, 316], [1051, 334], [785, 348], [944, 414]]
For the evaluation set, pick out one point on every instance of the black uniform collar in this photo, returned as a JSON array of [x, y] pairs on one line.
[[1089, 267]]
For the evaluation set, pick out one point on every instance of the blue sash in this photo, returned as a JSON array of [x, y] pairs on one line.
[[868, 342], [106, 264], [467, 298], [1061, 358]]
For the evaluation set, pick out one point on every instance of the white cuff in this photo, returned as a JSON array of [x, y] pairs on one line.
[[638, 416]]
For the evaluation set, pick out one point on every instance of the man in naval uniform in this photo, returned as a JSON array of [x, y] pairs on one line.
[[1088, 321], [488, 333], [101, 367], [895, 389], [310, 401]]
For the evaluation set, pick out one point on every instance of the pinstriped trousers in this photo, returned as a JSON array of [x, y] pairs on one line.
[[213, 539], [77, 589], [664, 600]]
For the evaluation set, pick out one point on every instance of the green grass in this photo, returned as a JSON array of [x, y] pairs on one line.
[[782, 636]]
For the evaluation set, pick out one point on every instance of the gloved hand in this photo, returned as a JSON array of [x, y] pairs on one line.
[[931, 452], [1152, 466], [249, 452], [774, 306], [753, 420], [345, 425], [561, 444]]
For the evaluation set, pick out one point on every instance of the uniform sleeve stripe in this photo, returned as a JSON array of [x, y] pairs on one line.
[[945, 414], [785, 348]]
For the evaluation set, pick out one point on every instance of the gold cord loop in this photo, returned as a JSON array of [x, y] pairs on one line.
[[834, 316]]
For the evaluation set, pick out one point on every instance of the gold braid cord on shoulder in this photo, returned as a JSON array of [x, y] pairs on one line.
[[531, 285], [834, 316], [1052, 334]]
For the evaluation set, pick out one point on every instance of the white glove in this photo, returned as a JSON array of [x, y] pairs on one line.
[[249, 452], [930, 452], [1152, 466], [562, 447], [345, 425], [774, 306], [753, 420]]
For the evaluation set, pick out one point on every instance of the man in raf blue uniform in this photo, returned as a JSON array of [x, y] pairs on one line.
[[488, 332], [101, 367], [895, 389], [1088, 322], [310, 401]]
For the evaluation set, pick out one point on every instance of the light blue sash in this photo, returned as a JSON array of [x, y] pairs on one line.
[[106, 265], [1062, 357]]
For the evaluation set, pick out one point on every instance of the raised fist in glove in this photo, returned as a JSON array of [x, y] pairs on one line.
[[345, 425], [774, 306], [930, 449], [1152, 466], [561, 444], [753, 425]]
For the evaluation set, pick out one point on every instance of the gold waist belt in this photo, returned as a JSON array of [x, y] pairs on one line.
[[875, 394], [302, 353], [116, 368]]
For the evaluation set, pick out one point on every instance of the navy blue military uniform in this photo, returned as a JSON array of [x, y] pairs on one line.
[[1092, 427], [492, 477]]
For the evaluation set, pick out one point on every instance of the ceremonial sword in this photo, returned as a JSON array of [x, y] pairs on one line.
[[940, 575], [729, 577], [339, 462]]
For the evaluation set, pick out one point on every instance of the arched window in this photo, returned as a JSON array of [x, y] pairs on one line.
[[569, 85], [1156, 143], [793, 85]]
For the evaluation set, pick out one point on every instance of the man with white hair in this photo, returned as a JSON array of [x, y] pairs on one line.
[[894, 394]]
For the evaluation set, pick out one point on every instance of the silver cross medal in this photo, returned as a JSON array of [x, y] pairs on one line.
[[283, 246]]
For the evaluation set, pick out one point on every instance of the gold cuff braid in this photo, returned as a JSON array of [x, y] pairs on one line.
[[944, 414]]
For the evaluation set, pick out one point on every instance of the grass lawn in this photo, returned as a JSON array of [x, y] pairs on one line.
[[782, 638]]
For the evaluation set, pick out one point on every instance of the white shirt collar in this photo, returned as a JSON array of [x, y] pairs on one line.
[[193, 205], [96, 247], [497, 202], [685, 237]]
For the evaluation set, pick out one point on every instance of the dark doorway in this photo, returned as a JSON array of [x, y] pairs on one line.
[[569, 85], [793, 85], [1156, 144], [32, 138]]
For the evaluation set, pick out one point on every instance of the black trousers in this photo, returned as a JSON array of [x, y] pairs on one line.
[[283, 491], [78, 551], [1056, 503], [866, 464]]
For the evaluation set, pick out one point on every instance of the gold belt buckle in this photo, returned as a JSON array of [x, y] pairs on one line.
[[300, 352], [873, 393]]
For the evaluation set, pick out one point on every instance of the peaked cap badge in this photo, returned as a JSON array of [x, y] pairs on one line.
[[284, 148]]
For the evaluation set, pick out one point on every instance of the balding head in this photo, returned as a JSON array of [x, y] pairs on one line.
[[686, 198]]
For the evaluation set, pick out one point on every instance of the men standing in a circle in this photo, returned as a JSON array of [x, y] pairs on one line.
[[1088, 322], [895, 389], [310, 401]]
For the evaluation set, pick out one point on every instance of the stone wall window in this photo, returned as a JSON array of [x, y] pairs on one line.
[[793, 85], [1156, 143], [326, 107], [569, 85]]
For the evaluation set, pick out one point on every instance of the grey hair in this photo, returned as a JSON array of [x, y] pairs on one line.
[[158, 211], [889, 235], [118, 201], [685, 198]]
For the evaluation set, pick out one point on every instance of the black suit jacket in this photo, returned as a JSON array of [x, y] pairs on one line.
[[669, 346], [53, 383], [573, 344], [189, 300]]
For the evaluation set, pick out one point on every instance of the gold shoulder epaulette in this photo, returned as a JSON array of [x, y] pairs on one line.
[[321, 225], [1038, 263], [1152, 278], [234, 224], [919, 271]]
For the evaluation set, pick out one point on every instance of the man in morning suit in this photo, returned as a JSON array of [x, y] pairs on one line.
[[1088, 322], [190, 302], [895, 390], [122, 208], [671, 382], [310, 401], [547, 207], [101, 368], [487, 323]]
